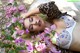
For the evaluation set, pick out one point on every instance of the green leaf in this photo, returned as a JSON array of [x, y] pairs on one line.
[[17, 49], [19, 24], [15, 3], [17, 14], [53, 32], [12, 51], [6, 45], [47, 35], [3, 32], [11, 28], [8, 37], [1, 43]]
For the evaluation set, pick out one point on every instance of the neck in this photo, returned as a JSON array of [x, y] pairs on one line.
[[47, 24]]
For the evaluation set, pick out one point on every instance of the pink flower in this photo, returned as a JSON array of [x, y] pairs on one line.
[[54, 50], [21, 7], [12, 9], [20, 32], [19, 40], [14, 19], [27, 31], [40, 46], [11, 1], [17, 28], [9, 10], [47, 30], [29, 46], [8, 15], [53, 27], [21, 20]]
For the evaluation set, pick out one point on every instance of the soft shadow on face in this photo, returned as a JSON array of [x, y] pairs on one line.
[[34, 23]]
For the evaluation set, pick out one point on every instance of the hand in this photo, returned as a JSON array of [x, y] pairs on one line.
[[23, 15]]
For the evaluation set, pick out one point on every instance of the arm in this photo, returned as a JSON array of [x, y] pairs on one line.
[[50, 9], [32, 12]]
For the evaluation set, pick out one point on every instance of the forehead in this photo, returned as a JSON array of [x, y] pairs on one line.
[[26, 23]]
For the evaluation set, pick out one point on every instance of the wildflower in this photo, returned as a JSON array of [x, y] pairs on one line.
[[47, 30], [29, 46], [14, 19], [27, 31], [19, 40], [20, 32], [40, 46], [21, 20], [53, 27], [11, 1], [17, 28], [21, 8]]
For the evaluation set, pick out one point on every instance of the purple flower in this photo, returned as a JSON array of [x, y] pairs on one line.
[[29, 46], [40, 46], [21, 8], [9, 10], [53, 49], [53, 27], [11, 1], [8, 15], [21, 20], [27, 31], [19, 40], [14, 19], [14, 8], [20, 32], [47, 30]]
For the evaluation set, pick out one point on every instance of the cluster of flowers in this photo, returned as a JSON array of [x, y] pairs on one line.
[[39, 43]]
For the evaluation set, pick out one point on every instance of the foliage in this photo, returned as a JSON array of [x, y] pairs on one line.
[[11, 34]]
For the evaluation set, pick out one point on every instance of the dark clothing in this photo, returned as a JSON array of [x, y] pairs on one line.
[[50, 9]]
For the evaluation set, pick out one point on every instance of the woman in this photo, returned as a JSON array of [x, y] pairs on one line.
[[67, 29]]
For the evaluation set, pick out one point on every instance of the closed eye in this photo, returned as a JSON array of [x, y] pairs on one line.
[[31, 19], [31, 27]]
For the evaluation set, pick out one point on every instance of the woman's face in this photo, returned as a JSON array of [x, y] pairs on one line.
[[34, 23]]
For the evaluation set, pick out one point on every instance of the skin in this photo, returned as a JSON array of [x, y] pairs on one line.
[[75, 45], [34, 23]]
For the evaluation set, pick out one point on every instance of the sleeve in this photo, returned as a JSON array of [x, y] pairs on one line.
[[50, 9]]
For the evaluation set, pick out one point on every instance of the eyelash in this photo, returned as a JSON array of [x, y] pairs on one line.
[[30, 19], [31, 27]]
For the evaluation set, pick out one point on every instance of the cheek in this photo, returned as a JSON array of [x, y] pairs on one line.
[[37, 28]]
